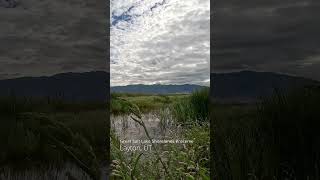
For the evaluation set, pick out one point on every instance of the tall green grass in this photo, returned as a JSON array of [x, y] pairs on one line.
[[192, 109], [37, 138], [145, 102], [276, 139], [41, 172], [51, 132], [172, 161], [182, 162], [290, 124]]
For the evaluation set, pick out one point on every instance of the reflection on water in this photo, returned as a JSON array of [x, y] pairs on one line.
[[158, 123]]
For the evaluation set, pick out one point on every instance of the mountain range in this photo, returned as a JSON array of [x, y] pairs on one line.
[[88, 86], [247, 86], [156, 88], [227, 87]]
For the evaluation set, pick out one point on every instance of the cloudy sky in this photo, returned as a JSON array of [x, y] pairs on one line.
[[160, 41], [267, 35], [52, 36]]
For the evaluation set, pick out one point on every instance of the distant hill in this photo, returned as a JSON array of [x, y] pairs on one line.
[[247, 86], [89, 86], [244, 86], [156, 89]]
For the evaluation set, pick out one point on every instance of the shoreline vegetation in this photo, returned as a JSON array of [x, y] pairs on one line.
[[36, 133], [145, 102], [276, 138], [187, 160]]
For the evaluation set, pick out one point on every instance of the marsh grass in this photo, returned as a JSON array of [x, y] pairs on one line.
[[50, 132], [276, 139], [172, 161], [192, 109], [182, 162], [65, 172], [145, 102]]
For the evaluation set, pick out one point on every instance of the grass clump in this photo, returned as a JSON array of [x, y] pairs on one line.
[[289, 122], [276, 139], [145, 102], [51, 132], [168, 161], [192, 109]]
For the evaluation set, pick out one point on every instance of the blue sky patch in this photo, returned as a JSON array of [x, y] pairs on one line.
[[125, 16], [128, 17]]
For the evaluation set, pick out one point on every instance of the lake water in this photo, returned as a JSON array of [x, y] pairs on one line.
[[158, 123]]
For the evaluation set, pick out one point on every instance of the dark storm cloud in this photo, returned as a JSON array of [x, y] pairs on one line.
[[48, 37], [268, 35]]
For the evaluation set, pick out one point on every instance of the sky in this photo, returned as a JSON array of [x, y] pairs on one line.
[[52, 36], [267, 35], [156, 41], [160, 42]]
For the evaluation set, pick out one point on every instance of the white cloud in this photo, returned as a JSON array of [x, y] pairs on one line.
[[159, 41]]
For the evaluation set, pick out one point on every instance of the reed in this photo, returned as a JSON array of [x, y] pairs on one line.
[[277, 138]]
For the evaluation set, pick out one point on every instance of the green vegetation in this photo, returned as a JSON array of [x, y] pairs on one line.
[[49, 132], [276, 139], [168, 161], [189, 162], [194, 109], [145, 102]]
